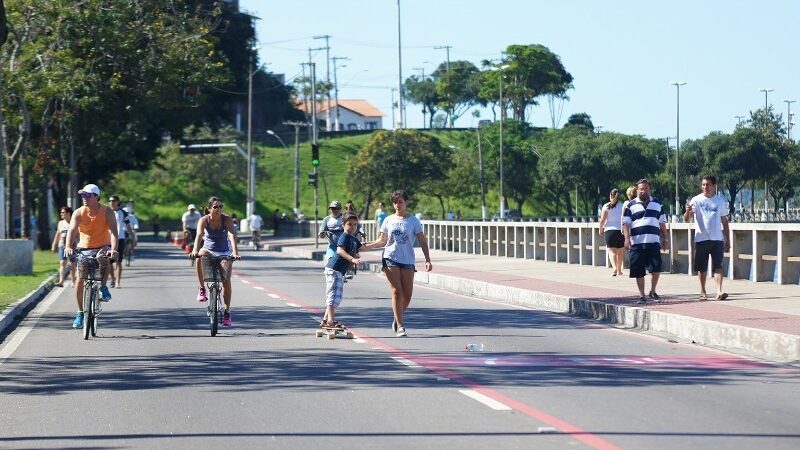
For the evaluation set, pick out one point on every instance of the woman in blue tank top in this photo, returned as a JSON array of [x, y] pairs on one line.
[[218, 236]]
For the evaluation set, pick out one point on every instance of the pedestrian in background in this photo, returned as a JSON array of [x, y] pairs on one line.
[[645, 230], [711, 234], [60, 243], [611, 230]]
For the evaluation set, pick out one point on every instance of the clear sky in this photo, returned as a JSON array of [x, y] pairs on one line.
[[622, 54]]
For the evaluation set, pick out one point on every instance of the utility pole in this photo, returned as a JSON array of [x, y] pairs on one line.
[[250, 193], [313, 143], [394, 124], [789, 119], [296, 126], [327, 77], [447, 49], [739, 118], [336, 88]]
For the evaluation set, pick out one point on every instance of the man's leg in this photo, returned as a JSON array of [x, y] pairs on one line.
[[701, 275], [718, 278], [655, 276]]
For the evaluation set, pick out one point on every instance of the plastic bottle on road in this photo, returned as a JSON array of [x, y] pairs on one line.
[[474, 347]]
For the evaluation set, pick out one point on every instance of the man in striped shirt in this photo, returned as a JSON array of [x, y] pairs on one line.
[[645, 230]]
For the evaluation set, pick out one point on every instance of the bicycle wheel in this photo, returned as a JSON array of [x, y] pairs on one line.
[[88, 308], [95, 309], [213, 306]]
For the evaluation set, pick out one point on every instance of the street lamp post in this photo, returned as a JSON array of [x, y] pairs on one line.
[[481, 178], [678, 85], [250, 194], [500, 70], [400, 109]]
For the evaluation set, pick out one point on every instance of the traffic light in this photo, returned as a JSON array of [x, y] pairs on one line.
[[315, 155], [312, 179]]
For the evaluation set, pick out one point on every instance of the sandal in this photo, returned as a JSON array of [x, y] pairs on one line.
[[703, 297], [722, 296]]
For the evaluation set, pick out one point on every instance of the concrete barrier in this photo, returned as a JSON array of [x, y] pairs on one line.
[[16, 257]]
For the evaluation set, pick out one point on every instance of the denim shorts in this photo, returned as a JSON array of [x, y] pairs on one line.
[[392, 263]]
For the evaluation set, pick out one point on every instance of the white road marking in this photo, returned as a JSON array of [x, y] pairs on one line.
[[490, 362], [358, 340], [246, 282], [258, 287], [488, 401], [406, 362], [442, 379], [377, 348], [293, 305], [27, 326], [274, 295]]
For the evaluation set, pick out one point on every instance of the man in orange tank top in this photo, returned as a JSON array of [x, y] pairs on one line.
[[97, 226]]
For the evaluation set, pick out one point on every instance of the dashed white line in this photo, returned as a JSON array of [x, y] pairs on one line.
[[274, 295], [488, 401], [258, 287], [406, 362], [442, 379], [293, 305], [358, 340], [246, 282]]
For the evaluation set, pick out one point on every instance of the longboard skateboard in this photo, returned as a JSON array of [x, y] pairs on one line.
[[333, 333]]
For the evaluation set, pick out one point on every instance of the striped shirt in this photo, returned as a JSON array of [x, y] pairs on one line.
[[645, 221]]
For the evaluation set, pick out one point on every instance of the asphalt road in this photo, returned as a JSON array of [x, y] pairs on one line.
[[154, 378]]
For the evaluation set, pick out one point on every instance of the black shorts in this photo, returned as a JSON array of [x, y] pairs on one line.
[[614, 239], [120, 247], [645, 258], [704, 249]]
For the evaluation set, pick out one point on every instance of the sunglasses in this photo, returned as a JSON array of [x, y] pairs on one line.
[[113, 200], [217, 206], [87, 195]]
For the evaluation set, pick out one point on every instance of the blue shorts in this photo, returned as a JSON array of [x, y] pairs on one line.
[[61, 255], [392, 263], [643, 259]]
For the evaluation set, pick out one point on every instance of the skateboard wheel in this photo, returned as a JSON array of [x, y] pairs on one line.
[[332, 336], [320, 333]]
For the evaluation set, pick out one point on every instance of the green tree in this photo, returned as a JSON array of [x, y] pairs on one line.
[[423, 92], [403, 159], [581, 120], [457, 86], [533, 71]]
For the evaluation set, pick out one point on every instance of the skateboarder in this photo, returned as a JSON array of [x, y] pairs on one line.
[[346, 248]]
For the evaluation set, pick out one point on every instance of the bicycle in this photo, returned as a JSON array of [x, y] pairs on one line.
[[92, 276], [214, 275]]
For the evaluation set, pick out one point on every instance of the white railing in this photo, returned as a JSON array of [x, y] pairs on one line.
[[759, 251]]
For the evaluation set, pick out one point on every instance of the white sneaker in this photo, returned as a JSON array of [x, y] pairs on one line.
[[401, 332]]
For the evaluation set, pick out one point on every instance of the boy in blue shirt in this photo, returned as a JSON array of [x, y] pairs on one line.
[[347, 248]]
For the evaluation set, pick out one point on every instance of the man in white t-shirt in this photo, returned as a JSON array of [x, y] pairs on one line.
[[711, 237], [255, 222], [189, 219], [331, 227]]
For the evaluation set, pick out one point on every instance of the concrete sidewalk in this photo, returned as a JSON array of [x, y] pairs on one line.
[[759, 319]]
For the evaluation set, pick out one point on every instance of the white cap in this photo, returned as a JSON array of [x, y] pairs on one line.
[[126, 209], [90, 189], [191, 207]]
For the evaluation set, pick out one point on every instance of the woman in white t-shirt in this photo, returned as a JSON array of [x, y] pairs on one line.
[[398, 233], [611, 229]]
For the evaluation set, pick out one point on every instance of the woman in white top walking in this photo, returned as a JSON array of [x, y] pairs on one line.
[[611, 229], [398, 233]]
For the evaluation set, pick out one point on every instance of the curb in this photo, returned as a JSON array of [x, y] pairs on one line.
[[760, 343], [9, 316]]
